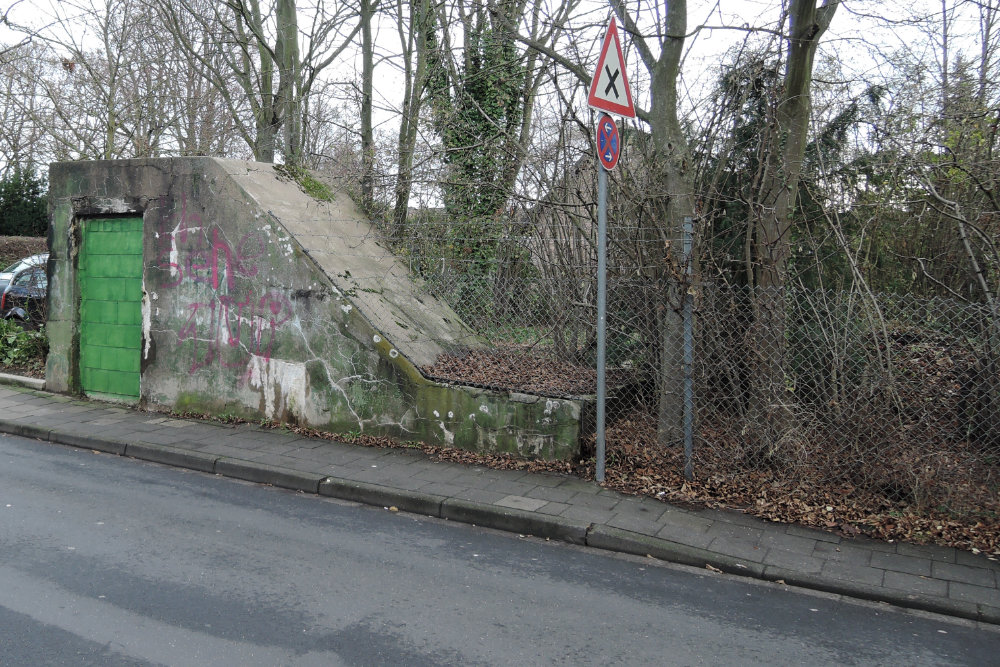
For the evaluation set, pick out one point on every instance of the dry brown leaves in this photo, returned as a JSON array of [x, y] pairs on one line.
[[518, 370], [636, 466]]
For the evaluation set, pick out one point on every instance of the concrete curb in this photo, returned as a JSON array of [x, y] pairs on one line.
[[24, 430], [382, 496], [598, 536], [106, 445], [171, 456], [859, 591], [515, 521], [286, 478], [626, 541], [20, 381]]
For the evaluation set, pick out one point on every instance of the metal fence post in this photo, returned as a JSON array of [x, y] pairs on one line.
[[688, 316]]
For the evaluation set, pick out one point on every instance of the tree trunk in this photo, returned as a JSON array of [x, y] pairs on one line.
[[676, 204], [415, 74], [770, 405], [288, 103], [367, 136]]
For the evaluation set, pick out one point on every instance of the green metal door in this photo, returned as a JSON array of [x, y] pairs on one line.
[[109, 270]]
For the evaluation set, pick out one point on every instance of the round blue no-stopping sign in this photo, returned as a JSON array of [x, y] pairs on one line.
[[609, 144]]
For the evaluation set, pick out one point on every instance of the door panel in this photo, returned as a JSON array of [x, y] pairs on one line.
[[109, 268]]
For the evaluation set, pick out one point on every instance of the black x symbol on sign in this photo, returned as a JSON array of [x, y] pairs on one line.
[[611, 84]]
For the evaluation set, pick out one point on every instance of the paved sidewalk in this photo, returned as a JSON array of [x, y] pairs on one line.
[[930, 578]]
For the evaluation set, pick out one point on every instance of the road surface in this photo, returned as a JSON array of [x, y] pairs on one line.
[[112, 561]]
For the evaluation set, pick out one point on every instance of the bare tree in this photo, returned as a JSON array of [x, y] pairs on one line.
[[258, 45]]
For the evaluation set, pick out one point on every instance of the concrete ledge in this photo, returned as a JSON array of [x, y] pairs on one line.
[[171, 456], [267, 474], [24, 430], [374, 494], [516, 521], [989, 614], [602, 536], [88, 442], [21, 381], [853, 589]]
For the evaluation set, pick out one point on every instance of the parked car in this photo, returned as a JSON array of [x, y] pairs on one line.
[[7, 274], [24, 297]]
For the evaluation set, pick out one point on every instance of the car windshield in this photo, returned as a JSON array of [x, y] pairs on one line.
[[34, 260]]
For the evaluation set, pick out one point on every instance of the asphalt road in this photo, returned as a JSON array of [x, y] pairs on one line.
[[110, 561]]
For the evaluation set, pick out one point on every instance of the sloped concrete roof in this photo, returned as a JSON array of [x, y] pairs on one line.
[[344, 244]]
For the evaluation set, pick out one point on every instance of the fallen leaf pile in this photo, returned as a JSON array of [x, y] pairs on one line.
[[511, 369]]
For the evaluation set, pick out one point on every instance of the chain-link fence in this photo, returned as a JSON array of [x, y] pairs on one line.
[[882, 399]]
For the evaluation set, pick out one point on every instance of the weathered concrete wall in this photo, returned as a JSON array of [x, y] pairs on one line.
[[260, 302]]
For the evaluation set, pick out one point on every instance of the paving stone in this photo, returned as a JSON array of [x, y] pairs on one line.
[[874, 545], [793, 560], [843, 553], [976, 560], [601, 503], [871, 576], [228, 451], [735, 518], [106, 421], [976, 594], [738, 547], [688, 535], [544, 479], [931, 551], [733, 531], [812, 533], [588, 514], [473, 495], [141, 427], [551, 493], [509, 487], [905, 564], [388, 468], [653, 507], [786, 542], [371, 475], [580, 486], [914, 584], [439, 472], [636, 524], [690, 522], [274, 458], [452, 490], [976, 576], [406, 483], [552, 508], [338, 457], [520, 503]]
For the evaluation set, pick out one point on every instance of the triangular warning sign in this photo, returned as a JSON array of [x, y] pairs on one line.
[[609, 90]]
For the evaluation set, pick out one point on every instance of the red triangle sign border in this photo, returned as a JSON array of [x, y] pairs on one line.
[[594, 99]]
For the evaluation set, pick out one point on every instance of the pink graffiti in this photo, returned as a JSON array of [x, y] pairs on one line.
[[198, 254], [236, 320], [227, 331]]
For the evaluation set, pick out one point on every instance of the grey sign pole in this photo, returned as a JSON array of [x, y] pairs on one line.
[[606, 95], [602, 308]]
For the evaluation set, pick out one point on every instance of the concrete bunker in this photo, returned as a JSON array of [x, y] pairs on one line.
[[219, 287]]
